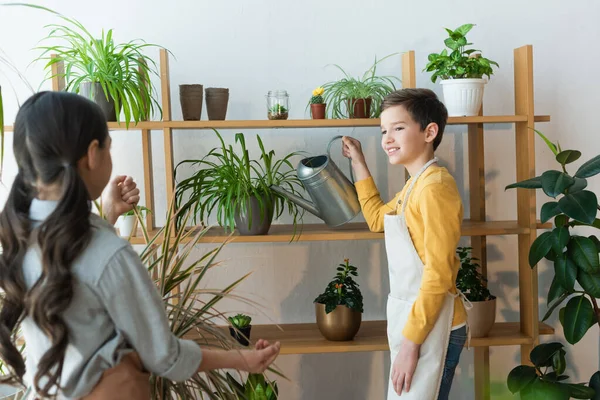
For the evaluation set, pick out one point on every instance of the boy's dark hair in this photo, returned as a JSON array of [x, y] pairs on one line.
[[423, 106]]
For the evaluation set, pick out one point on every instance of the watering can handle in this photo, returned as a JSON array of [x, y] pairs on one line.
[[349, 160]]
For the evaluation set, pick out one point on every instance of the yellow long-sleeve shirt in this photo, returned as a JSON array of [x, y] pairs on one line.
[[434, 215]]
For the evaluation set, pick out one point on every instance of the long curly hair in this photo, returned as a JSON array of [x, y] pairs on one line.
[[52, 132]]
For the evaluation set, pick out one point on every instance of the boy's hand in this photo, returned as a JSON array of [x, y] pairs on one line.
[[352, 149], [121, 196], [258, 360], [404, 366]]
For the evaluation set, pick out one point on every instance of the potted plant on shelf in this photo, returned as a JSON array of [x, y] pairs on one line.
[[238, 188], [240, 328], [359, 97], [115, 76], [278, 112], [461, 72], [339, 308], [482, 316], [128, 221], [317, 104], [576, 260]]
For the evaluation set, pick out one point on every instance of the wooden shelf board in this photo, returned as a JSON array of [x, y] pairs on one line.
[[302, 123], [352, 231], [306, 338]]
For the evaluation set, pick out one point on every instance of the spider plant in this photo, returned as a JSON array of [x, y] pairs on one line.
[[342, 95], [227, 179], [122, 71]]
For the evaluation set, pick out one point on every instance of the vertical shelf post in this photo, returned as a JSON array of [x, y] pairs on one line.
[[409, 80], [58, 74], [526, 204], [167, 132]]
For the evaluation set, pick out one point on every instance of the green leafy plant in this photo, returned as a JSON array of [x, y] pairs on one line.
[[575, 257], [342, 290], [226, 179], [278, 109], [122, 70], [240, 321], [255, 388], [459, 62], [137, 210], [469, 280], [342, 95], [545, 379]]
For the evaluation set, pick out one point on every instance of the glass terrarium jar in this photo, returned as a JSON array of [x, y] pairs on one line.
[[278, 104]]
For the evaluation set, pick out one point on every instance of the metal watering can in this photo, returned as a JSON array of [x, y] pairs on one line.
[[334, 197]]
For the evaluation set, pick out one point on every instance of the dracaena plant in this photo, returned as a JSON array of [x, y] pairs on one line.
[[575, 256], [459, 62], [342, 290]]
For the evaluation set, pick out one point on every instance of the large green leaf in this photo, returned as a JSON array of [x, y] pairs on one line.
[[555, 182], [568, 156], [520, 377], [579, 316], [566, 272], [464, 29], [541, 390], [560, 239], [558, 362], [550, 145], [595, 384], [584, 254], [533, 183], [549, 210], [561, 220], [579, 391], [541, 355], [581, 206], [589, 282], [578, 186], [556, 291], [540, 247], [589, 168]]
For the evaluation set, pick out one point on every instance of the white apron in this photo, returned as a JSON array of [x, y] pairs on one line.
[[406, 270]]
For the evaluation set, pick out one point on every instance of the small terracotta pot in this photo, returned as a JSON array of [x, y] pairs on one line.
[[317, 111], [339, 325], [361, 109], [190, 97]]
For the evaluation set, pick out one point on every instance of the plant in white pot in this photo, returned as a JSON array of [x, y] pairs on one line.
[[482, 316], [128, 221], [461, 72]]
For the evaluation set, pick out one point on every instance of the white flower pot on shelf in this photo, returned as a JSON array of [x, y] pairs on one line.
[[127, 225], [463, 97]]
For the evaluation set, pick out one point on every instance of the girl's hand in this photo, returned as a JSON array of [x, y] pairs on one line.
[[352, 149], [121, 195], [404, 366], [258, 360]]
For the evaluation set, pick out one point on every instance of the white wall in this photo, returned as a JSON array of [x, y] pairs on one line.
[[252, 47]]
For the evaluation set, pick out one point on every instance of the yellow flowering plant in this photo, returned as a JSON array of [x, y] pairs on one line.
[[317, 96]]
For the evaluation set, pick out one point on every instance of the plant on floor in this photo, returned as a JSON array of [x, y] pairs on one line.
[[121, 71], [255, 388], [349, 96], [342, 290], [227, 179], [469, 280], [576, 257], [459, 62]]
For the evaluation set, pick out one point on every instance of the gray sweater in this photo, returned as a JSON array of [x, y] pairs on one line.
[[116, 309]]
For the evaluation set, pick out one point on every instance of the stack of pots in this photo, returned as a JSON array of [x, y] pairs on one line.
[[190, 97], [216, 103]]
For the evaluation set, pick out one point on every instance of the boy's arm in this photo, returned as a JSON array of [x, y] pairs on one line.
[[441, 208], [373, 207]]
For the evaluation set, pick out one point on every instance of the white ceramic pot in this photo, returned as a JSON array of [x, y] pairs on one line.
[[127, 225], [463, 97], [481, 317]]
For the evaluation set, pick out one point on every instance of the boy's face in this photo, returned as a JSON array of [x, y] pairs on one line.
[[402, 138]]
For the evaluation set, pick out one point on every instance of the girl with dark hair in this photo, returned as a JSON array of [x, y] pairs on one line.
[[84, 301]]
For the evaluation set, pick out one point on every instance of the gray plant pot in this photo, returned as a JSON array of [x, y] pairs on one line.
[[94, 92], [258, 225]]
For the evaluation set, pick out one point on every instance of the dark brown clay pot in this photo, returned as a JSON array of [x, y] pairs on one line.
[[94, 92], [242, 335], [317, 111], [360, 108], [339, 325], [249, 222], [217, 100], [190, 97]]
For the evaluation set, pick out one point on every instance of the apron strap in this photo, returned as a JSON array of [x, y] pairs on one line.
[[412, 183], [468, 306]]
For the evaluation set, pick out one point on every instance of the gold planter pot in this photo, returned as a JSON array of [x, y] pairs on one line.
[[339, 325]]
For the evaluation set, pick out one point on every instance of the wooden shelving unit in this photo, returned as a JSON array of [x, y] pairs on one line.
[[305, 338]]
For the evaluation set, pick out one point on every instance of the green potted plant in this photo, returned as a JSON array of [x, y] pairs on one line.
[[461, 71], [255, 388], [482, 315], [339, 308], [115, 76], [358, 97], [128, 221], [576, 259], [240, 328], [278, 111], [317, 104], [238, 188]]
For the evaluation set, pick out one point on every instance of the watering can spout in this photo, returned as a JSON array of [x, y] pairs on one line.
[[305, 204]]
